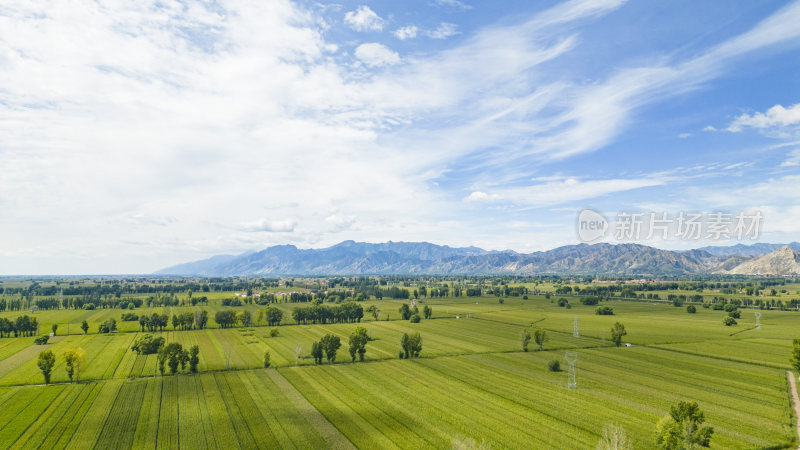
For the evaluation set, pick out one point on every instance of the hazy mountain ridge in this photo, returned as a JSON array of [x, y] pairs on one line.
[[356, 258]]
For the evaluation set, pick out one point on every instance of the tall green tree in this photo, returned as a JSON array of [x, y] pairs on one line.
[[74, 363], [617, 333], [683, 428], [540, 337], [266, 359], [358, 343], [330, 344], [54, 328], [274, 316], [404, 345], [411, 344], [46, 362], [183, 357], [795, 360], [245, 318], [405, 311], [525, 339], [174, 355], [85, 327], [316, 352], [194, 358]]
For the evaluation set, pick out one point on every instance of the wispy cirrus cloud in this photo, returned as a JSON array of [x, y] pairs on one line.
[[564, 190], [443, 31], [458, 4]]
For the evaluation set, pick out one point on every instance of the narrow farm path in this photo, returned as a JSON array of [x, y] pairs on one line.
[[28, 353], [333, 437], [795, 400]]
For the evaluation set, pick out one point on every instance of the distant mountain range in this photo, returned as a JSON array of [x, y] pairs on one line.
[[421, 258]]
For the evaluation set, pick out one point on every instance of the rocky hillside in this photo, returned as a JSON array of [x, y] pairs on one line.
[[784, 261]]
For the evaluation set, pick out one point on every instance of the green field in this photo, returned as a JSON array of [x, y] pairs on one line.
[[472, 382]]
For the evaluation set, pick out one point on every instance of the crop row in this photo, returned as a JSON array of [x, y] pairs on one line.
[[244, 408], [512, 400]]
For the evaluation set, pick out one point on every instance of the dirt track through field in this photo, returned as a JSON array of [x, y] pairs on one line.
[[795, 400], [334, 438], [14, 361]]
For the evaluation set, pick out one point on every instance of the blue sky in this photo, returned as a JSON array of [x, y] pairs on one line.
[[136, 136]]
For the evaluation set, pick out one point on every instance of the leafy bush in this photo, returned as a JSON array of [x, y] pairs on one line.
[[415, 318], [130, 317], [736, 314], [274, 332], [89, 306], [691, 309], [553, 365], [148, 344], [590, 300], [604, 311], [41, 340], [500, 300], [562, 302], [729, 321], [109, 326]]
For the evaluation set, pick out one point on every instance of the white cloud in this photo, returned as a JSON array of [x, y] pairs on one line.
[[339, 222], [775, 117], [284, 225], [443, 31], [363, 19], [572, 190], [376, 55], [793, 159], [478, 196], [684, 135], [709, 128], [452, 3], [144, 220], [407, 32], [779, 191]]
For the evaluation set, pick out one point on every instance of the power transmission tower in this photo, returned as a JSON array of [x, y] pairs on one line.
[[575, 328], [758, 320], [571, 358]]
